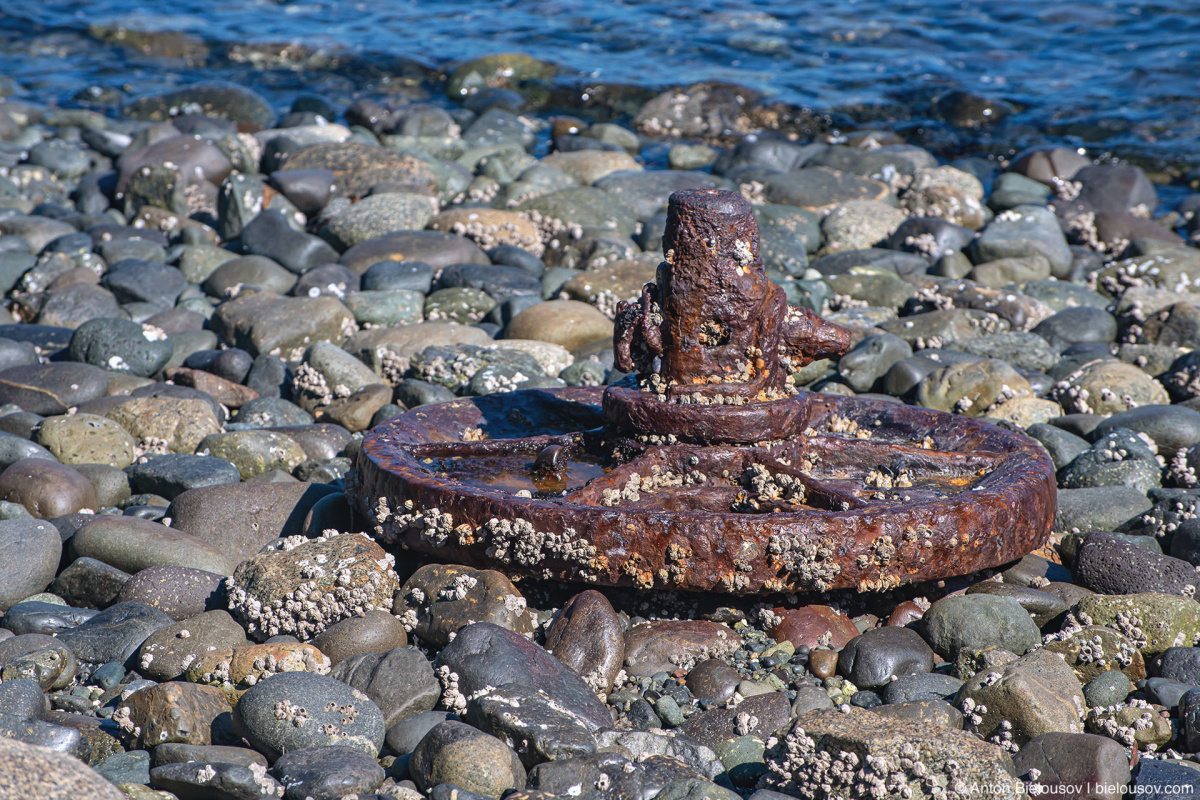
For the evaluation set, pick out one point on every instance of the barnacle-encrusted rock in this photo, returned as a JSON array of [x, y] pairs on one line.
[[859, 754], [236, 669], [310, 585], [440, 598]]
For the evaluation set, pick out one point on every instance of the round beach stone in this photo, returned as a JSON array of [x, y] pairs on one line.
[[484, 654], [46, 489], [32, 771], [587, 636], [456, 753], [1109, 565], [176, 424], [1107, 387], [115, 633], [257, 272], [378, 215], [713, 680], [974, 622], [297, 710], [373, 632], [240, 518], [441, 598], [813, 626], [253, 452], [179, 592], [326, 773], [53, 387], [172, 474], [400, 681], [166, 654], [569, 323], [667, 645], [87, 439], [881, 654], [29, 555], [120, 345], [133, 544], [315, 583]]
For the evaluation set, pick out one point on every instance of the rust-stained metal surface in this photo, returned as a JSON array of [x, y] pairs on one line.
[[705, 470]]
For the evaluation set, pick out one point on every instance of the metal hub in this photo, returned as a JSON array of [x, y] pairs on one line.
[[705, 469]]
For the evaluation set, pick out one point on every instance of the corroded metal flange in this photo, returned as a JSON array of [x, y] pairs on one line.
[[705, 470]]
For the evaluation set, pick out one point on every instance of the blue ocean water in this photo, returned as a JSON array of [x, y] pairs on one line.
[[1116, 77]]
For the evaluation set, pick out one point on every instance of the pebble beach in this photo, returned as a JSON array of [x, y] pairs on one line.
[[215, 284]]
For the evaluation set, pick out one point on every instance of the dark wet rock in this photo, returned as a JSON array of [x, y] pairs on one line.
[[327, 773], [484, 654], [770, 714], [53, 387], [880, 654], [1042, 606], [445, 597], [399, 681], [194, 780], [270, 235], [297, 710], [252, 271], [527, 720], [179, 592], [138, 281], [29, 556], [1061, 445], [115, 633], [1108, 565], [34, 616], [403, 737], [24, 699], [1107, 689], [90, 583], [1158, 780], [173, 474], [974, 622], [929, 686], [820, 188], [871, 359], [1073, 759], [177, 753], [1103, 508]]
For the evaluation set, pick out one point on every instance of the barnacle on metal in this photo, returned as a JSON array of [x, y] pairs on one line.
[[705, 469]]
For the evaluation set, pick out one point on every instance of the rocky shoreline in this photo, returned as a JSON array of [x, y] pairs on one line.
[[206, 305]]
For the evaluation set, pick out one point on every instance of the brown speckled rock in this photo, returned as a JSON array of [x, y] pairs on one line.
[[178, 592], [175, 712]]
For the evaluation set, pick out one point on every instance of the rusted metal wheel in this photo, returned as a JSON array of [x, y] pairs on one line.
[[855, 493]]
